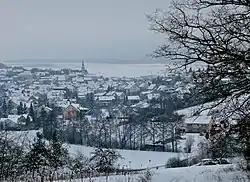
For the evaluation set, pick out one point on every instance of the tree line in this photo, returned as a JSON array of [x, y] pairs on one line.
[[49, 160]]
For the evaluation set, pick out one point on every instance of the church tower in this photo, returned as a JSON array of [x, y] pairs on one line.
[[84, 71]]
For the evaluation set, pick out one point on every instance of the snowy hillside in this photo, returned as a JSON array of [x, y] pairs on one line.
[[132, 158], [223, 173]]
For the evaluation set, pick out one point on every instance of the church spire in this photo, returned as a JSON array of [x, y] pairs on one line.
[[84, 71], [83, 66]]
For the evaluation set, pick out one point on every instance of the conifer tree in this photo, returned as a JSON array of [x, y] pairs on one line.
[[32, 113], [28, 121], [25, 109], [50, 125], [5, 109], [41, 120], [10, 106], [57, 155], [36, 158], [20, 109]]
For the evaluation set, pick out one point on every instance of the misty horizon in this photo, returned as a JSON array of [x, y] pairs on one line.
[[115, 30]]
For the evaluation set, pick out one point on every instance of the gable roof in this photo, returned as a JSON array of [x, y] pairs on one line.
[[134, 97], [106, 98], [152, 86], [198, 120]]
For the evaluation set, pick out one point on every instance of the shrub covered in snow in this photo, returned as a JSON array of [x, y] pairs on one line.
[[176, 162], [145, 177]]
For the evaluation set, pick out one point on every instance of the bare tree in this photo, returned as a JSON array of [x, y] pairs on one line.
[[189, 143], [104, 160], [80, 166], [11, 156], [216, 34]]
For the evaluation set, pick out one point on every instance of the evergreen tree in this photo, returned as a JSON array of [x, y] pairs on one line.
[[57, 155], [25, 109], [36, 158], [20, 109], [190, 70], [125, 99], [28, 121], [32, 113], [42, 100], [90, 100], [5, 109], [50, 124], [10, 106], [10, 158], [109, 88], [41, 120]]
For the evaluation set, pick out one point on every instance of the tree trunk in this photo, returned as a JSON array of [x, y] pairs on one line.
[[172, 144]]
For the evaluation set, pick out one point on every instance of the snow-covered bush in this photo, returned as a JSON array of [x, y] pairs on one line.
[[176, 162], [145, 177], [103, 160]]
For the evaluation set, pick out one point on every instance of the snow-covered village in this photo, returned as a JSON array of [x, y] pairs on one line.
[[149, 121], [125, 91]]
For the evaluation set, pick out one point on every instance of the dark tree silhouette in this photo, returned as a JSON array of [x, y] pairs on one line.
[[214, 33], [32, 113], [5, 109], [10, 106], [20, 108]]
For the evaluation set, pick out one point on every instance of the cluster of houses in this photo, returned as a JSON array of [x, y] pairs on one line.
[[27, 86]]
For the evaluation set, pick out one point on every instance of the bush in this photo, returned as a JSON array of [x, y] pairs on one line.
[[176, 162], [145, 177]]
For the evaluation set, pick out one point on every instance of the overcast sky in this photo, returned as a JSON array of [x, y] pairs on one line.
[[93, 29]]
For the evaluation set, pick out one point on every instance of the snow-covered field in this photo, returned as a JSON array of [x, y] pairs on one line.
[[132, 158], [136, 159], [145, 159], [218, 173], [25, 138]]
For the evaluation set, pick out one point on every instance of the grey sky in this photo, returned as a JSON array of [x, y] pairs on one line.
[[93, 29]]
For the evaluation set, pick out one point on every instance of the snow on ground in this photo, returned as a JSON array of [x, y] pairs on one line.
[[132, 158], [217, 173], [117, 178], [24, 138], [140, 159]]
